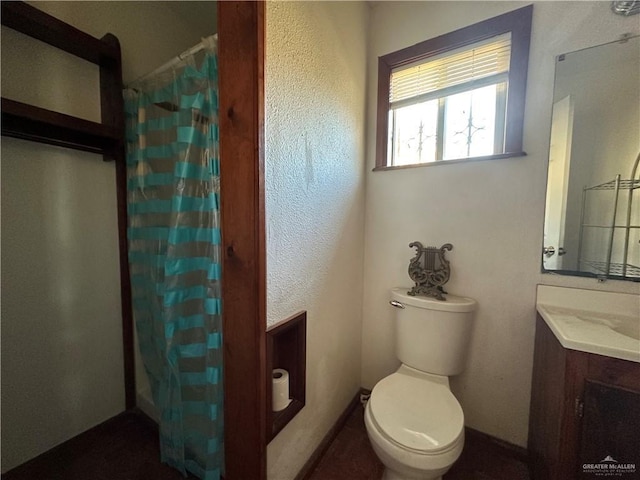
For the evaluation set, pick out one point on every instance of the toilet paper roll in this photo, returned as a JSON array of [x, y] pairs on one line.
[[280, 389]]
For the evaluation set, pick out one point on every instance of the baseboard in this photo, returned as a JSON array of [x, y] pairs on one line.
[[311, 464], [145, 403], [509, 449]]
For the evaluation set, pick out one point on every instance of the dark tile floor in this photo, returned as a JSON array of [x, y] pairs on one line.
[[350, 457], [123, 448], [126, 448]]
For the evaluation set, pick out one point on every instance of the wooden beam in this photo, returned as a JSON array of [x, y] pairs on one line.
[[27, 122], [241, 60], [35, 23], [112, 113]]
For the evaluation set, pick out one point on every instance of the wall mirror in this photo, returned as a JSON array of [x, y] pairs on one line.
[[592, 214]]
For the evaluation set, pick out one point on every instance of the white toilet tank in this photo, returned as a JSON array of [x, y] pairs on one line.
[[433, 335]]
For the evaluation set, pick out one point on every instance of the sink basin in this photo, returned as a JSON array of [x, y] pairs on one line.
[[603, 323], [627, 326]]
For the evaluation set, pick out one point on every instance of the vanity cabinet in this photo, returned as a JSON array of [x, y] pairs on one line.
[[585, 408]]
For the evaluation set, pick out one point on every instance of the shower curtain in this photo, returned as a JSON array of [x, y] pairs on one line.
[[174, 256]]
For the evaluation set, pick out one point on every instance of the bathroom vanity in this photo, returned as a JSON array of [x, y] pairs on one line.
[[585, 400]]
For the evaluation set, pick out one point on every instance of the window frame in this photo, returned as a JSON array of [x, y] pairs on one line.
[[518, 23]]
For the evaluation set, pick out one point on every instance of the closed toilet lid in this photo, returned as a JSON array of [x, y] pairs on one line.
[[417, 413]]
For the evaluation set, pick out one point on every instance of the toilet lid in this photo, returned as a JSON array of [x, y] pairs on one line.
[[416, 413]]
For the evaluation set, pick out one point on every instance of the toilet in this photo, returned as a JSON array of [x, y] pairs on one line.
[[414, 423]]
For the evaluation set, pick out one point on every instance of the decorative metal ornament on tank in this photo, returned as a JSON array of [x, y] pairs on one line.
[[430, 270]]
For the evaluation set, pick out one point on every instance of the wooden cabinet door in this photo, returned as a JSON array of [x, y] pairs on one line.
[[610, 440]]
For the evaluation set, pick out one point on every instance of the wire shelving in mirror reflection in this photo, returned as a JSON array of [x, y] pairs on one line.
[[626, 7]]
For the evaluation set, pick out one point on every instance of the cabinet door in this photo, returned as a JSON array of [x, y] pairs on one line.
[[610, 443]]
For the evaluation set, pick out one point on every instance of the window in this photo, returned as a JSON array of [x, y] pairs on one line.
[[457, 96]]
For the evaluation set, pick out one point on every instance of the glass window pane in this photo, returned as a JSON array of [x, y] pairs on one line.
[[469, 126], [413, 129]]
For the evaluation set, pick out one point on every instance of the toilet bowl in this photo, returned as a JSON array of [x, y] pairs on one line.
[[414, 422], [415, 425]]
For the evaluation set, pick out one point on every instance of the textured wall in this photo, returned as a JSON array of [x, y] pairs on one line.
[[315, 107], [61, 332], [491, 211]]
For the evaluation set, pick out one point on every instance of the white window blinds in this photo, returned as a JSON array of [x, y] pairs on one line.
[[474, 65]]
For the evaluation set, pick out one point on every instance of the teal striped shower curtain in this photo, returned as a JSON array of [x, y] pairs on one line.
[[174, 256]]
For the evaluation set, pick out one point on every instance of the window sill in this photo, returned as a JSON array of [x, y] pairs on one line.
[[448, 162]]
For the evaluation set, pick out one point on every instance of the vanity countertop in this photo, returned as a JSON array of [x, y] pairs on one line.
[[604, 323]]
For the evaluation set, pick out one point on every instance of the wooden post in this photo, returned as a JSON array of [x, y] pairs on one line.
[[241, 61]]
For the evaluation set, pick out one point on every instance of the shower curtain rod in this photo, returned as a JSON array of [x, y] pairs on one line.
[[177, 59]]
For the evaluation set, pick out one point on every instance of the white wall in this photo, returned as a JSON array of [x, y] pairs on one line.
[[314, 169], [491, 211], [61, 332]]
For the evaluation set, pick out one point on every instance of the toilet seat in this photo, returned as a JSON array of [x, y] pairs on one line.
[[417, 412]]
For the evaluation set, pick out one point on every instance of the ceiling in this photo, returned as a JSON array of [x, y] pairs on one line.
[[201, 14]]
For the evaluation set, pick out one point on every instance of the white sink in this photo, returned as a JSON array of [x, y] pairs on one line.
[[603, 323]]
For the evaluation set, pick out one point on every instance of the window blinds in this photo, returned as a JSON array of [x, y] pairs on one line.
[[486, 60]]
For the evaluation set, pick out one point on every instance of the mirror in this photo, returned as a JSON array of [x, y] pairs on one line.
[[592, 214]]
